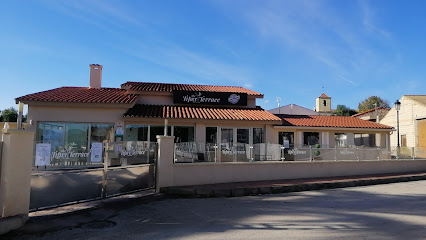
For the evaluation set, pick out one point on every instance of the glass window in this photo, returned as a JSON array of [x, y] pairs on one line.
[[365, 139], [243, 135], [227, 135], [310, 138], [183, 134], [136, 133], [101, 132], [52, 133], [258, 135], [76, 136], [211, 134], [341, 139], [286, 137], [158, 130]]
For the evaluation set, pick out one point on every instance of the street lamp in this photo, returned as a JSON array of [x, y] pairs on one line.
[[397, 107]]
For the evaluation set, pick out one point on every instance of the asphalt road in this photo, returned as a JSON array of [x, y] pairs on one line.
[[388, 211]]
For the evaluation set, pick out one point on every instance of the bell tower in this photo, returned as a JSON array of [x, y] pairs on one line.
[[323, 104]]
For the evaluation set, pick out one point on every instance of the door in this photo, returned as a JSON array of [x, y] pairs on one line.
[[287, 140]]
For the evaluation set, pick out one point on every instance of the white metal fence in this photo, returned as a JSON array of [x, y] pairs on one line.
[[64, 175], [192, 152]]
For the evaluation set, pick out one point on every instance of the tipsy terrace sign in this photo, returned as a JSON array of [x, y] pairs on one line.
[[210, 98]]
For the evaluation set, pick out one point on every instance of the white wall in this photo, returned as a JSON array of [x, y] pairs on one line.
[[211, 173], [409, 112]]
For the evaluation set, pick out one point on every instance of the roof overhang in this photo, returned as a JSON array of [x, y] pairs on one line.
[[336, 129]]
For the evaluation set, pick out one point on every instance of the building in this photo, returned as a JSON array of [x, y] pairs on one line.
[[323, 105], [205, 119], [293, 109], [331, 132], [412, 125], [73, 118], [374, 115]]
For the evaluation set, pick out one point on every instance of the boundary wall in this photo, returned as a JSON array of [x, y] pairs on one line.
[[186, 174]]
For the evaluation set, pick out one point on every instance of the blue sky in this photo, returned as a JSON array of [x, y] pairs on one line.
[[286, 49]]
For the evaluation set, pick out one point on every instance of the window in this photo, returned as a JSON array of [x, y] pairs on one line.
[[242, 135], [403, 140], [211, 135], [183, 134], [136, 133], [227, 135], [341, 139], [258, 135], [157, 130], [71, 142], [365, 139], [324, 103], [286, 138], [310, 138]]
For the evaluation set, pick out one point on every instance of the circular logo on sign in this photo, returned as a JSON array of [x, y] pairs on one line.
[[234, 98]]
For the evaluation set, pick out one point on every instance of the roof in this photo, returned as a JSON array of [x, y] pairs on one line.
[[205, 113], [293, 109], [419, 98], [328, 121], [169, 87], [82, 95], [323, 95], [370, 111]]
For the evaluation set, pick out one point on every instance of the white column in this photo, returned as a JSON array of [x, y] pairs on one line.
[[165, 161], [16, 164]]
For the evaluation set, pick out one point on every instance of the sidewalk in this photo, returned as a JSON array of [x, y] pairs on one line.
[[284, 186]]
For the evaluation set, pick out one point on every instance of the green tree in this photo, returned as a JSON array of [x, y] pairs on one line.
[[342, 110], [371, 103], [9, 115]]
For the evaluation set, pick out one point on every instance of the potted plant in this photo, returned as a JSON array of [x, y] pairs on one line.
[[317, 152]]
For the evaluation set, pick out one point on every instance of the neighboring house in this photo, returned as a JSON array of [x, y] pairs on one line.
[[322, 107], [374, 115], [293, 109], [301, 132], [412, 123]]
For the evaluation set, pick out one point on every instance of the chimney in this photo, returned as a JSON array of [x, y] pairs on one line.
[[95, 76]]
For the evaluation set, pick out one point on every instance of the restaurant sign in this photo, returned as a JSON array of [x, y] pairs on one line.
[[210, 98]]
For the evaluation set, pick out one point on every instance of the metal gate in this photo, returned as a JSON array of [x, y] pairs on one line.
[[104, 170]]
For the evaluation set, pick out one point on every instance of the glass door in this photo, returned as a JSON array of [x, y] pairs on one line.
[[242, 148], [227, 144], [287, 140]]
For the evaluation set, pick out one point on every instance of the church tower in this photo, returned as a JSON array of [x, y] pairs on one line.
[[323, 104]]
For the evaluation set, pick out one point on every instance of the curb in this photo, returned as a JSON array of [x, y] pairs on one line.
[[194, 192]]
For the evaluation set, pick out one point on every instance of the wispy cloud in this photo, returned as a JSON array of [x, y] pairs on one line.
[[155, 48], [368, 20], [179, 59], [319, 31]]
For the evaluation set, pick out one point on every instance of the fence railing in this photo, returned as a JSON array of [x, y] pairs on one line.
[[192, 152], [56, 156], [408, 152], [63, 175]]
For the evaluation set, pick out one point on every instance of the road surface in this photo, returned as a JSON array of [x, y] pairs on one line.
[[388, 211]]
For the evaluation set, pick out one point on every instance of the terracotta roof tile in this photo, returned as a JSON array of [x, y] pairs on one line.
[[328, 121], [169, 87], [207, 113], [369, 111], [323, 95], [81, 95]]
